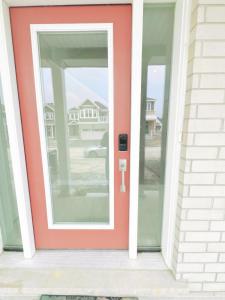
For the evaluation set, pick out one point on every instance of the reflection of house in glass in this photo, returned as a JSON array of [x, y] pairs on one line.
[[49, 115], [153, 123], [88, 121]]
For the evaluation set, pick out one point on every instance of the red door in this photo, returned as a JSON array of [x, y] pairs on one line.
[[73, 78]]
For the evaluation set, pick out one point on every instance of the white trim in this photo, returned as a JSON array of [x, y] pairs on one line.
[[177, 98], [108, 27], [175, 123], [10, 94], [137, 30]]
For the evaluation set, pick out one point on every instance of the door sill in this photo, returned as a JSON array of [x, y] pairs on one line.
[[100, 259]]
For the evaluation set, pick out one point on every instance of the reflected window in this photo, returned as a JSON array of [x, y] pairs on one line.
[[74, 73]]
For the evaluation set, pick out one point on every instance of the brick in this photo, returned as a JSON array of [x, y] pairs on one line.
[[202, 237], [220, 178], [196, 203], [204, 117], [219, 203], [214, 287], [208, 166], [192, 247], [215, 14], [222, 153], [210, 139], [206, 96], [194, 226], [208, 65], [200, 257], [216, 81], [210, 32], [205, 214], [214, 48], [211, 111], [222, 257], [204, 191], [195, 287], [199, 125], [206, 277], [217, 267], [216, 247], [195, 178], [201, 153], [221, 277], [215, 2], [217, 226], [190, 268]]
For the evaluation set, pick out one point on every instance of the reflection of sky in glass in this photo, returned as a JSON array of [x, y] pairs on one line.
[[156, 86], [81, 84], [92, 83]]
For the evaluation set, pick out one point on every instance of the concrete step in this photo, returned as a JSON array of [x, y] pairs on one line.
[[95, 282], [95, 273]]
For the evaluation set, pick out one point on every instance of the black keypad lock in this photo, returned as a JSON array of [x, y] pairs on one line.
[[123, 142]]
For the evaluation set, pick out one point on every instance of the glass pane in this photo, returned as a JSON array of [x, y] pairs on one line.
[[156, 65], [74, 72], [9, 219]]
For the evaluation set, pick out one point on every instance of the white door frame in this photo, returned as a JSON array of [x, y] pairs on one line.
[[175, 122], [13, 120], [177, 94]]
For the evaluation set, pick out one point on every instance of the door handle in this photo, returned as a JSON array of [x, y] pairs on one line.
[[123, 169]]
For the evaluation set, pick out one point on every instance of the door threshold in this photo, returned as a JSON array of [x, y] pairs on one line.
[[88, 259]]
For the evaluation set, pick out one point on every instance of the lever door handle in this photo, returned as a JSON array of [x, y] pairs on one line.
[[123, 169]]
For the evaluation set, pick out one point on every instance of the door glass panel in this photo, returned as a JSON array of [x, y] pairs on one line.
[[156, 69], [75, 103], [9, 220]]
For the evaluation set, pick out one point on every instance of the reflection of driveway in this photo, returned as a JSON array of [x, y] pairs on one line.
[[80, 165], [76, 152], [152, 153], [152, 165]]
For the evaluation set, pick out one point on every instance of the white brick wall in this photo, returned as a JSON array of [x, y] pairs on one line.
[[199, 255]]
